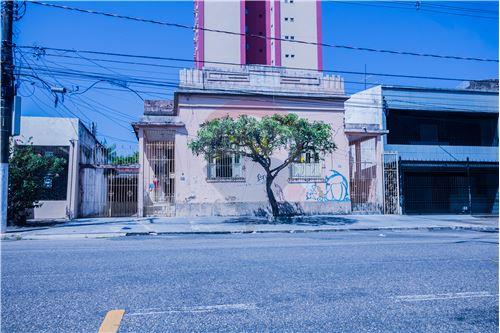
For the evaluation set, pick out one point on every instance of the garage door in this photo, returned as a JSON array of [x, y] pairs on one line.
[[447, 192], [437, 192]]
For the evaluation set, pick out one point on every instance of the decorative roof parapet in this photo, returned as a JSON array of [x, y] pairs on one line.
[[158, 107], [261, 79]]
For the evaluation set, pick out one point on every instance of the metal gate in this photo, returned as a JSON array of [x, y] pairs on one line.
[[452, 189], [363, 179], [108, 191], [122, 193], [391, 183], [159, 178]]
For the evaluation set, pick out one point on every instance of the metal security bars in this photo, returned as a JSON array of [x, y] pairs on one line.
[[122, 192], [306, 166], [159, 178], [363, 187], [391, 183], [225, 167], [453, 188], [108, 181], [108, 191], [363, 166]]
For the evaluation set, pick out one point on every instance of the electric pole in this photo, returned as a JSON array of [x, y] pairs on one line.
[[6, 105]]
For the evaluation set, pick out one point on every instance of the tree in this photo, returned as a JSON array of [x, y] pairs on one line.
[[259, 139], [27, 173], [115, 159]]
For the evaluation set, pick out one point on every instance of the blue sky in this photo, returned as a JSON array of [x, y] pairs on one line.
[[376, 25]]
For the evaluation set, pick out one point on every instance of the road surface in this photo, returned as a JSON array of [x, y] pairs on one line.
[[412, 281]]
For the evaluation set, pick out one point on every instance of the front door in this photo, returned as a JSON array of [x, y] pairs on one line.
[[159, 178]]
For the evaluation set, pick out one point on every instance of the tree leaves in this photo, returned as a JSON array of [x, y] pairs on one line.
[[259, 139], [26, 175]]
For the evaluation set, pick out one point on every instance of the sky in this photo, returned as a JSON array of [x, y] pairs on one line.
[[435, 28]]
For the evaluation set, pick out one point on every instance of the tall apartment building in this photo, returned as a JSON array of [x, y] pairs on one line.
[[279, 22]]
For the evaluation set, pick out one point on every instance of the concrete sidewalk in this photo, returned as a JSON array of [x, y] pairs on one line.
[[116, 227]]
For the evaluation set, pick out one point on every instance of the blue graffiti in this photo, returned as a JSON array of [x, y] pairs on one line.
[[336, 189]]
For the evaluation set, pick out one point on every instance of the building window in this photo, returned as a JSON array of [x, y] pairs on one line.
[[287, 55], [292, 55], [225, 167], [306, 166], [291, 19], [292, 37], [286, 37], [286, 18]]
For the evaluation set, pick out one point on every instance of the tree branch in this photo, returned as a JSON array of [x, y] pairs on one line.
[[290, 158]]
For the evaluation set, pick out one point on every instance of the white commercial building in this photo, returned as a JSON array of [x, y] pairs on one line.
[[67, 138]]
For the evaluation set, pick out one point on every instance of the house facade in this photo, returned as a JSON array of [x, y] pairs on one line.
[[440, 154], [176, 182]]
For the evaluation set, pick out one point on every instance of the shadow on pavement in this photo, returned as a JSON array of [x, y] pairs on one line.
[[295, 220]]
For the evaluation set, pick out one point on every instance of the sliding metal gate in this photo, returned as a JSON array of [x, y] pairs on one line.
[[159, 178]]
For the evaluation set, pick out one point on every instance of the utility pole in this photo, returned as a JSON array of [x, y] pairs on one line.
[[6, 105]]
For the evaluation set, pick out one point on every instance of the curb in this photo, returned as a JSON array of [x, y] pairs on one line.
[[20, 236], [227, 232]]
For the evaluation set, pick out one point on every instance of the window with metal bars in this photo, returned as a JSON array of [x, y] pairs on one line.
[[225, 167], [306, 166]]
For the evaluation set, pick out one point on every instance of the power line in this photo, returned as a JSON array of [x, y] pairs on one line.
[[465, 9], [184, 26], [149, 57], [147, 80], [420, 7], [175, 85]]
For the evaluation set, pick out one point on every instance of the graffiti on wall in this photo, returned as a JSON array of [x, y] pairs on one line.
[[336, 189], [261, 178]]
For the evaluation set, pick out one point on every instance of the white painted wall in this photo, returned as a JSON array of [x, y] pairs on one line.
[[54, 209], [222, 15], [303, 27], [48, 131], [365, 107]]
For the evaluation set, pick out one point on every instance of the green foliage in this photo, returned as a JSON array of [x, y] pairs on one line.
[[127, 159], [259, 139], [27, 171], [116, 159]]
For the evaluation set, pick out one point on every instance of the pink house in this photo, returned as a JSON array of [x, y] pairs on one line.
[[175, 182]]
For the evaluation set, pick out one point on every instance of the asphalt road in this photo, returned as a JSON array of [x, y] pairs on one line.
[[318, 282]]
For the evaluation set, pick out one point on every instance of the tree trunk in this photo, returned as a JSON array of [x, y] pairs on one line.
[[270, 196]]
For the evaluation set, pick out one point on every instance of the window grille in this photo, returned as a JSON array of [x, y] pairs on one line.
[[306, 166], [225, 167]]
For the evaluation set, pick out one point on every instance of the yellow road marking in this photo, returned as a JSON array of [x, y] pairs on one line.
[[111, 322]]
